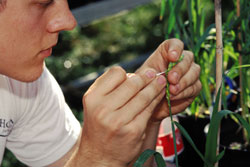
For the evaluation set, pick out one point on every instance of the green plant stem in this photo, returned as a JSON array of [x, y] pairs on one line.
[[170, 66], [242, 101]]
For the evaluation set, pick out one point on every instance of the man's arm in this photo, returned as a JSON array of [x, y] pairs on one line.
[[63, 161]]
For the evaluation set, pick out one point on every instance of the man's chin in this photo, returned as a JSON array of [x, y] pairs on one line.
[[28, 76], [29, 79]]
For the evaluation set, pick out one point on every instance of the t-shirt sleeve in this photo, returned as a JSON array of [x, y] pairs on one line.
[[45, 128]]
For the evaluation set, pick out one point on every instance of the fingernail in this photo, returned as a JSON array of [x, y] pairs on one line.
[[129, 75], [161, 80], [176, 76], [150, 74], [175, 55]]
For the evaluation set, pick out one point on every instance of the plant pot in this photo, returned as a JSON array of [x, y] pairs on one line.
[[235, 158], [195, 128], [232, 133]]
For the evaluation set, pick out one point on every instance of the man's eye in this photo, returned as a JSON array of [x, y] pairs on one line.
[[46, 3]]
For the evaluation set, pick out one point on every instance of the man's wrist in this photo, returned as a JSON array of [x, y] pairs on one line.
[[87, 157], [153, 123], [91, 161]]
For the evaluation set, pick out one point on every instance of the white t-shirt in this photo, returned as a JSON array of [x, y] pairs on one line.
[[36, 124]]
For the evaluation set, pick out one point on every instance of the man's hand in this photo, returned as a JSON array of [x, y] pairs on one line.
[[117, 108], [183, 78]]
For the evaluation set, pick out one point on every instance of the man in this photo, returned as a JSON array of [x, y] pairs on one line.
[[122, 112]]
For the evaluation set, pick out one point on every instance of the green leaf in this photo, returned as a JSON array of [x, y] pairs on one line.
[[223, 96], [146, 155], [220, 156], [190, 19], [159, 160], [236, 22], [163, 8], [189, 139], [172, 17], [232, 70], [211, 142], [203, 38], [244, 123], [216, 105], [206, 90]]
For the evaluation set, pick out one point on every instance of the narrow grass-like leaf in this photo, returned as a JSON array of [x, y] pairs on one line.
[[163, 8], [203, 38], [206, 90], [189, 139], [171, 19], [220, 156], [146, 155], [211, 142], [202, 24], [197, 18], [237, 67], [224, 97], [183, 29], [143, 157], [216, 105], [190, 19], [244, 123], [237, 21], [159, 160]]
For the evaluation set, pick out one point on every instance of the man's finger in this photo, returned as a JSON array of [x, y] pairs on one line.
[[188, 79], [168, 51], [181, 105], [191, 91], [109, 81], [129, 88], [179, 70], [143, 99], [141, 119], [175, 48]]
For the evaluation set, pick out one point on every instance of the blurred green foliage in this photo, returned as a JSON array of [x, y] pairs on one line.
[[106, 42]]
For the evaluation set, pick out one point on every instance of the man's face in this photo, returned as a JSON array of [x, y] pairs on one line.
[[28, 31]]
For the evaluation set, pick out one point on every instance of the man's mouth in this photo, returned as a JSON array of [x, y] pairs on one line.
[[46, 53]]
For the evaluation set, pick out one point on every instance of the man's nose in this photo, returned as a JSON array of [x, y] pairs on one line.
[[61, 18]]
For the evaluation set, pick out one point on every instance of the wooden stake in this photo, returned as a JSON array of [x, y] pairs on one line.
[[219, 45], [219, 56]]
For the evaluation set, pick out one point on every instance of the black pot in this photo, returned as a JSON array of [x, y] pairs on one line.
[[235, 158], [232, 133], [195, 128]]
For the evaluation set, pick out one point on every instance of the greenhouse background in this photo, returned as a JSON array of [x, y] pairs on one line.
[[127, 35]]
